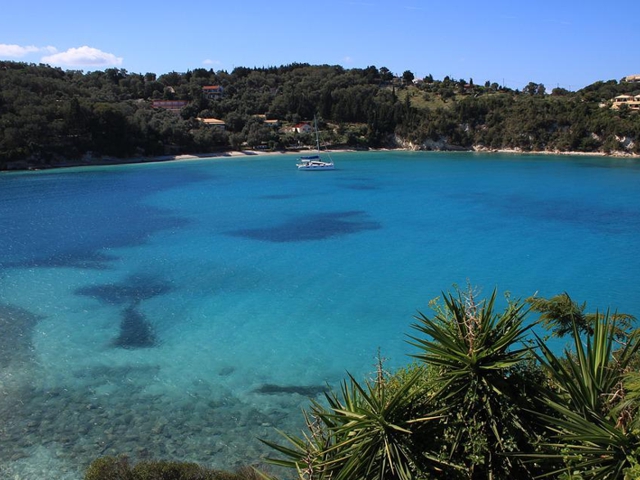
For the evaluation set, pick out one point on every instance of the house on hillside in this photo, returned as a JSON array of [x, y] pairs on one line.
[[213, 92], [269, 123], [214, 122], [633, 102], [632, 79], [302, 128], [172, 105]]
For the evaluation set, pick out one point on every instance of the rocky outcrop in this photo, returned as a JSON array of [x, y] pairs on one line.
[[440, 145]]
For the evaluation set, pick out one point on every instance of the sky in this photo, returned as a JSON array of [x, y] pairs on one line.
[[559, 43]]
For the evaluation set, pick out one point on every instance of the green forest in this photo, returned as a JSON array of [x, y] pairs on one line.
[[54, 117]]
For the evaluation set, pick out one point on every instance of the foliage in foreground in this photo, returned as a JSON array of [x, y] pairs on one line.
[[596, 428], [112, 468], [479, 359], [363, 433], [485, 401]]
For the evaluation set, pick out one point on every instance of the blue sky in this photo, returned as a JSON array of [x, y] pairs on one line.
[[564, 43]]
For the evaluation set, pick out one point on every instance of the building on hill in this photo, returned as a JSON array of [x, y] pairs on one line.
[[172, 105], [214, 122], [633, 102], [270, 123], [632, 79], [302, 128], [213, 92]]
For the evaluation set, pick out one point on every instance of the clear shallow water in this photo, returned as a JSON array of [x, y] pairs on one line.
[[182, 310]]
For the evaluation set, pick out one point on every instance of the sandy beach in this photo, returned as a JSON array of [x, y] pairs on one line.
[[245, 153], [475, 148], [218, 155]]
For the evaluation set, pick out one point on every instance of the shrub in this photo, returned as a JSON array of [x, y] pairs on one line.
[[112, 468]]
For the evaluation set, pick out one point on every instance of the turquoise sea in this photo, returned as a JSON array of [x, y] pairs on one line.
[[183, 310]]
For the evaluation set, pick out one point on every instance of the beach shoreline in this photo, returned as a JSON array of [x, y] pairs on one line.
[[109, 161]]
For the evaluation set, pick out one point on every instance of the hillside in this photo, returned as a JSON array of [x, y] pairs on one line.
[[51, 117]]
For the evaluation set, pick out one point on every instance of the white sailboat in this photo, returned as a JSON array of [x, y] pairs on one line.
[[315, 162]]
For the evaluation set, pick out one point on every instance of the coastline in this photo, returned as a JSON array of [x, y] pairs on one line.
[[107, 161], [517, 151]]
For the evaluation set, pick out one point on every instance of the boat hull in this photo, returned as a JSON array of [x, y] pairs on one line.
[[315, 166]]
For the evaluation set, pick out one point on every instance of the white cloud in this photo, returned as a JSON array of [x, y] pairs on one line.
[[83, 56], [347, 59], [16, 51], [208, 61]]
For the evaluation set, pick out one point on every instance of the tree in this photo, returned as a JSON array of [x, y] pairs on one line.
[[49, 115], [407, 77], [561, 315], [111, 131], [257, 133], [534, 89], [385, 74]]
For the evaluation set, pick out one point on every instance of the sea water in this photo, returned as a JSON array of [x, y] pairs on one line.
[[184, 310]]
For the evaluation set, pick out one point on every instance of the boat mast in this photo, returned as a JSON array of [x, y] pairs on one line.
[[315, 124]]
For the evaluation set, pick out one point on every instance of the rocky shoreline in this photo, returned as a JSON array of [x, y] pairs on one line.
[[443, 146]]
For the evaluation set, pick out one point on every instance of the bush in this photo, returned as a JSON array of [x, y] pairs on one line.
[[109, 468], [112, 468]]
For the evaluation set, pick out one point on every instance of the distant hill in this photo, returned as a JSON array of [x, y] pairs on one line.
[[52, 117]]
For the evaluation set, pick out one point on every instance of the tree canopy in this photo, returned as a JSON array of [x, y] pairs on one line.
[[51, 116]]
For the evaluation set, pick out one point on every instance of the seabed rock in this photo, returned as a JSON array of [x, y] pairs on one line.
[[135, 330]]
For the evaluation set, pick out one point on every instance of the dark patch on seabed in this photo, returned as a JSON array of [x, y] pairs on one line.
[[66, 220], [16, 327], [362, 187], [318, 226], [592, 216], [304, 390], [280, 196], [117, 373], [133, 289], [135, 330], [84, 260], [361, 184]]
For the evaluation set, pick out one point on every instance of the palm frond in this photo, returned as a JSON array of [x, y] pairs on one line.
[[589, 437]]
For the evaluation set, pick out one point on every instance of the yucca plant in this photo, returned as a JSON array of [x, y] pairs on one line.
[[595, 428], [628, 414], [362, 434], [478, 355]]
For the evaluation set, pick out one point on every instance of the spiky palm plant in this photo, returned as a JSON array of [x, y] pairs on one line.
[[363, 434], [594, 430], [476, 353]]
